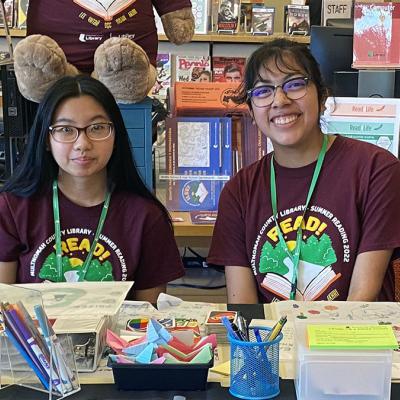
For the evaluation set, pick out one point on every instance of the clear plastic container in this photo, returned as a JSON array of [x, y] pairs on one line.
[[340, 374]]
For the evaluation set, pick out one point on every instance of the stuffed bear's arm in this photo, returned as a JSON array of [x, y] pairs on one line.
[[179, 25]]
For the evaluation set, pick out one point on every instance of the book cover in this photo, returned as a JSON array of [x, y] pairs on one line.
[[376, 35], [193, 69], [336, 9], [200, 13], [228, 15], [163, 79], [9, 13], [22, 12], [263, 20], [198, 162], [298, 20], [228, 69]]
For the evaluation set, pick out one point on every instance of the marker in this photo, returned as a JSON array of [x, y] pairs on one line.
[[58, 355]]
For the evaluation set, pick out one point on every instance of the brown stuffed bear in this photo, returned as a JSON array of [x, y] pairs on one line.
[[114, 40]]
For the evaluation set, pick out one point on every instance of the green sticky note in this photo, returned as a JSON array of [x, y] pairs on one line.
[[357, 337]]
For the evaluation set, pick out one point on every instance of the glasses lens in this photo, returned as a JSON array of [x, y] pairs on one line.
[[98, 131], [64, 134], [262, 95], [295, 88]]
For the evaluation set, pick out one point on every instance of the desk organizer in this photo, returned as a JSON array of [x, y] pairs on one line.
[[255, 365], [338, 374], [28, 357], [160, 377], [137, 119]]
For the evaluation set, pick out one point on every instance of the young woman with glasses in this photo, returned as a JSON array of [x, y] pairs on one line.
[[76, 209], [317, 218]]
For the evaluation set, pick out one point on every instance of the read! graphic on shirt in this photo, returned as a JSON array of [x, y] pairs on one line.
[[316, 274], [75, 246]]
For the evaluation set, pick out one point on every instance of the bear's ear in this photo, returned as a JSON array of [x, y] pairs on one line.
[[179, 25]]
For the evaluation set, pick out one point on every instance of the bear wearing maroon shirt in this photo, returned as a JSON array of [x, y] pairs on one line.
[[113, 40]]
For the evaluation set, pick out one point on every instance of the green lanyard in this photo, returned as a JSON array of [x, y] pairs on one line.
[[295, 257], [57, 228]]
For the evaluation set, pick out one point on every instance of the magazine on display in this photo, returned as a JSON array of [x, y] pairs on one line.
[[163, 79], [228, 15], [228, 69], [298, 20], [193, 69], [263, 20]]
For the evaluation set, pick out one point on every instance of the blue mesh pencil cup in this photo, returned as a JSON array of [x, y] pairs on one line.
[[255, 365]]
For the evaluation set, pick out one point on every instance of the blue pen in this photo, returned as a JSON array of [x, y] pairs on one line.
[[229, 328]]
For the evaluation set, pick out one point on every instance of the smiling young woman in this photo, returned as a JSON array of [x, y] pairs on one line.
[[314, 219], [75, 208]]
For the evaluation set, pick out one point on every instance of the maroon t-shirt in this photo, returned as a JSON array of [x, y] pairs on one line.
[[80, 26], [136, 243], [353, 210]]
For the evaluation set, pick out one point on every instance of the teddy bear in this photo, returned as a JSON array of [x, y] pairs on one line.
[[113, 40]]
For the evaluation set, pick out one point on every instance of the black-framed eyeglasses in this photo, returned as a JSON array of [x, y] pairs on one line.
[[70, 134], [294, 89]]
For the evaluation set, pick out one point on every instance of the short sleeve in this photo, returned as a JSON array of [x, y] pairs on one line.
[[381, 207], [10, 246], [160, 261], [228, 245]]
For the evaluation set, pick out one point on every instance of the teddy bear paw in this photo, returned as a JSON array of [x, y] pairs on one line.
[[123, 66], [38, 63]]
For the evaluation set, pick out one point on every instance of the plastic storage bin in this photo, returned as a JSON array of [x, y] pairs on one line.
[[255, 366], [160, 376], [340, 374]]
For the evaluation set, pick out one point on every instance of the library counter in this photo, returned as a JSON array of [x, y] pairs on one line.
[[214, 390]]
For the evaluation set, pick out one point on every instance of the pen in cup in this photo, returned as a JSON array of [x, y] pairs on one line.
[[242, 325]]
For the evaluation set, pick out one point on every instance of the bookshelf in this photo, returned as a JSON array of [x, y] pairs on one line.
[[188, 234], [211, 37], [14, 32], [241, 38]]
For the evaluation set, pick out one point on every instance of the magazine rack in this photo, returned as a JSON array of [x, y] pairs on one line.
[[16, 367]]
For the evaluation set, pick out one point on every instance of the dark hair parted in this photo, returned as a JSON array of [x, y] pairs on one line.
[[38, 169], [287, 56]]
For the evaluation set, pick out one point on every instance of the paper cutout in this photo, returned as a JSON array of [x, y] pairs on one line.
[[156, 333], [223, 368], [146, 356]]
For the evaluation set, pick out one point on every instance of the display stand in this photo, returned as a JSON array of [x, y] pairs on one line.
[[54, 356]]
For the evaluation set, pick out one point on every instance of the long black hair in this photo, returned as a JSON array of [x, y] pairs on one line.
[[38, 169]]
